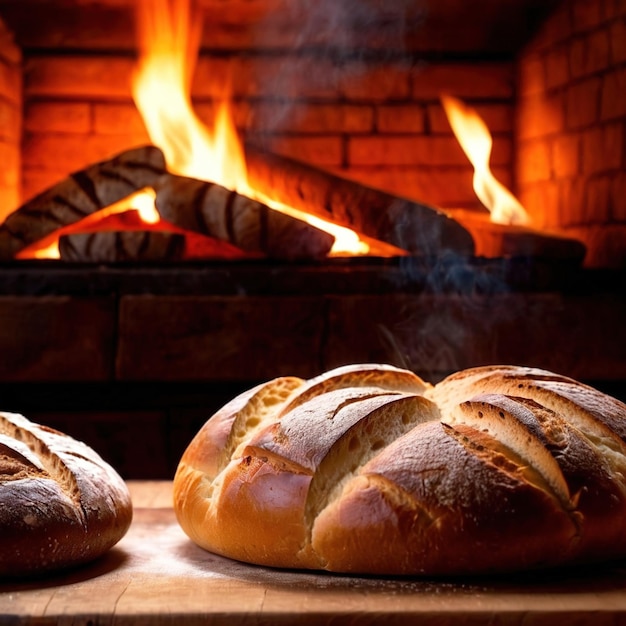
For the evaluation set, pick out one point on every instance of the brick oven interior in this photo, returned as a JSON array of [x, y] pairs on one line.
[[119, 353]]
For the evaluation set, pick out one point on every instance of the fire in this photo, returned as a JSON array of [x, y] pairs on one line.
[[143, 203], [168, 36], [476, 141], [168, 40], [136, 212]]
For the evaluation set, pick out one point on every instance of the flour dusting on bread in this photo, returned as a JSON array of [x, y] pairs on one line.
[[369, 469], [61, 504]]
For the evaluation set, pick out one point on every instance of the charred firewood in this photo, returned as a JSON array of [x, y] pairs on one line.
[[80, 195], [113, 246], [418, 228], [509, 240], [213, 210]]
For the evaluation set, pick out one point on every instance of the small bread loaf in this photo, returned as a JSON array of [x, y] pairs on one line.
[[61, 505], [369, 469]]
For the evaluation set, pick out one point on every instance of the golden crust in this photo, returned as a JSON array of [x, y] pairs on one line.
[[368, 469], [417, 499]]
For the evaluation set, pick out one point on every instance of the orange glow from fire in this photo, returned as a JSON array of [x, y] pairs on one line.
[[135, 212], [476, 141], [169, 35], [143, 202]]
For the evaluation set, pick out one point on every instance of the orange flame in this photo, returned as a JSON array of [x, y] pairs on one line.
[[168, 39], [476, 141]]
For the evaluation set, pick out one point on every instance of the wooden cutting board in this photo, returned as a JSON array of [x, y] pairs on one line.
[[155, 575]]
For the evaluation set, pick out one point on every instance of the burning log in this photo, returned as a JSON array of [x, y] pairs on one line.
[[417, 228], [505, 240], [213, 210], [113, 246], [80, 195], [125, 236]]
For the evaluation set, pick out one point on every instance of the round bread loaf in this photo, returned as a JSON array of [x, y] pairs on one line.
[[60, 504], [369, 469]]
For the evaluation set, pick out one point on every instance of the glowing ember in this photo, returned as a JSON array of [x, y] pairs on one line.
[[136, 212], [476, 141], [143, 201], [168, 38]]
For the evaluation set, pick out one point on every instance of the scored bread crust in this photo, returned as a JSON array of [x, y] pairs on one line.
[[61, 504], [369, 469]]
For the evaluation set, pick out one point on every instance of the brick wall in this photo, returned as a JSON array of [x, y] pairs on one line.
[[381, 123], [78, 109], [374, 116], [10, 121], [571, 127]]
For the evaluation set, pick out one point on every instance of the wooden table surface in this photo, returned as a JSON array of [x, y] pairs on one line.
[[155, 575]]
